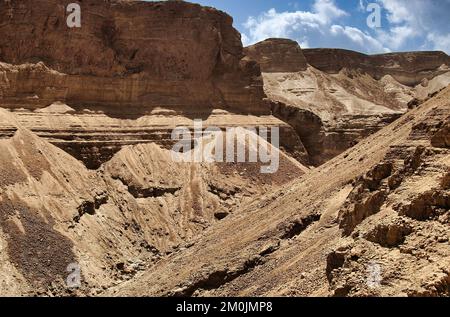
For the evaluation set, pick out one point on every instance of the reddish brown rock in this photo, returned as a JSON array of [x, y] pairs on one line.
[[155, 64], [278, 55], [148, 54]]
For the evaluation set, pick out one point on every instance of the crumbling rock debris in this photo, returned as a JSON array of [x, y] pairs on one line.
[[390, 234], [426, 206], [441, 138], [366, 198], [89, 207], [38, 251], [335, 260]]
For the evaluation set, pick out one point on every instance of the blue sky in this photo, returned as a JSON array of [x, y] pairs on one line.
[[406, 25]]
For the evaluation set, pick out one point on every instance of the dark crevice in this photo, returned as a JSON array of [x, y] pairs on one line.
[[219, 278], [91, 206], [152, 192], [295, 227]]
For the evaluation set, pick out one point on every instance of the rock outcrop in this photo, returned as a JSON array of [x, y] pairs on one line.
[[371, 222], [89, 185], [113, 222], [110, 95], [130, 74], [278, 56]]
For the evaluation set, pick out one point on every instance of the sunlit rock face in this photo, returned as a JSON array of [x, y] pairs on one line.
[[130, 74], [147, 54], [334, 98]]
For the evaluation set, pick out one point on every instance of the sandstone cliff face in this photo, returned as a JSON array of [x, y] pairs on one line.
[[130, 74], [407, 68], [278, 55], [340, 97], [144, 53]]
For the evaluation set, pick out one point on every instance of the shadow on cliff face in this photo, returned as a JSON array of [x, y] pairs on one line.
[[37, 250], [126, 111], [308, 126]]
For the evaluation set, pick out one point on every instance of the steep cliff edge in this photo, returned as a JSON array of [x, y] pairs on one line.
[[278, 55], [130, 74], [335, 98], [408, 68], [146, 54]]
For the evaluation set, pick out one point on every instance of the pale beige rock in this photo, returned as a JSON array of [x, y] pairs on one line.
[[259, 262]]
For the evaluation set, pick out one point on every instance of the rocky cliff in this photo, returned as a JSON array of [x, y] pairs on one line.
[[335, 98], [146, 54], [86, 116], [278, 55], [130, 74], [408, 68], [111, 223], [371, 222], [87, 182]]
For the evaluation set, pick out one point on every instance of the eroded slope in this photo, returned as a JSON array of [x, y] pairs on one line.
[[373, 221], [335, 98], [113, 222]]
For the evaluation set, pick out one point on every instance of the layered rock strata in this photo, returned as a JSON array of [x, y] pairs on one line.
[[408, 68], [336, 98], [371, 222], [130, 74]]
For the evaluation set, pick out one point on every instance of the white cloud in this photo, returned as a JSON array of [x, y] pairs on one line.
[[327, 10], [407, 25], [416, 23], [245, 39], [358, 37], [292, 24], [317, 27], [396, 36], [439, 42]]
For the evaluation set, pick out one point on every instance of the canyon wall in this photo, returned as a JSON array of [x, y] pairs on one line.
[[335, 98], [147, 54], [381, 208], [408, 68], [130, 74], [110, 94]]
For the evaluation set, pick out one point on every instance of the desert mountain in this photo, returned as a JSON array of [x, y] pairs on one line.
[[88, 180], [335, 98], [382, 205], [135, 209], [126, 83], [85, 134]]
